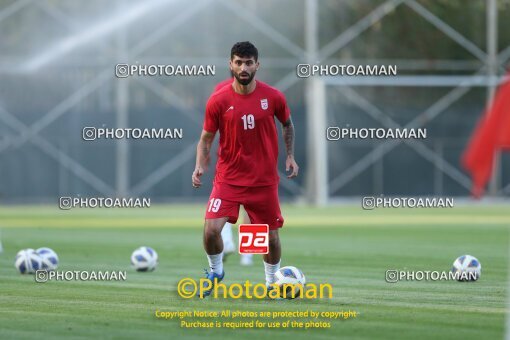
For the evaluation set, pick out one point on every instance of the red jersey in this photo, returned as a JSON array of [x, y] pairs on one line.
[[248, 148]]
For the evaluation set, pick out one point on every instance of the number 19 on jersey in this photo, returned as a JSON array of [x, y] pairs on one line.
[[248, 121]]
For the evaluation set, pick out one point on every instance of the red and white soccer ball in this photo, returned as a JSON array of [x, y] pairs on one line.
[[290, 276], [467, 268]]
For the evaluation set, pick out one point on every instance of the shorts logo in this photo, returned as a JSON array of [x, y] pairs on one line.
[[263, 104], [253, 239]]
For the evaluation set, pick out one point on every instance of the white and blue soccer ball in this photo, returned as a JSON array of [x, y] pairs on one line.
[[144, 259], [27, 261], [48, 257], [290, 276], [467, 268]]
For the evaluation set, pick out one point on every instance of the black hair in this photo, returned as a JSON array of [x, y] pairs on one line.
[[244, 49]]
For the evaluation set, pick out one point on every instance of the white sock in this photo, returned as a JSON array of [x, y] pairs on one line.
[[216, 263], [246, 258], [226, 236], [245, 261], [270, 270]]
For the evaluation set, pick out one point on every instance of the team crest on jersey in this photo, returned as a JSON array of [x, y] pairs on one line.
[[263, 104]]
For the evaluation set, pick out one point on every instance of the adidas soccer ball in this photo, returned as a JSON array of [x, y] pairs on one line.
[[27, 261], [144, 259], [48, 257], [287, 278], [467, 268]]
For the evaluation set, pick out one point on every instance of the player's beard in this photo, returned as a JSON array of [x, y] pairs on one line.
[[245, 81]]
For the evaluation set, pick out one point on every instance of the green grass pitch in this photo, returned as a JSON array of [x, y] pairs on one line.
[[345, 246]]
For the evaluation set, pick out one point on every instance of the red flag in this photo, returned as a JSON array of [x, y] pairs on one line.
[[490, 137]]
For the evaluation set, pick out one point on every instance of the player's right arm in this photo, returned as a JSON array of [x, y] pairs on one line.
[[203, 157], [211, 125]]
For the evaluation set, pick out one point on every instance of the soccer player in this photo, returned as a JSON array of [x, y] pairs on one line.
[[246, 171], [227, 233]]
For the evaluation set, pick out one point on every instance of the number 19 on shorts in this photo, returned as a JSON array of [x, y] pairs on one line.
[[214, 205]]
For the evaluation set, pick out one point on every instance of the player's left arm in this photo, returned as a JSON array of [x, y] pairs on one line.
[[288, 138]]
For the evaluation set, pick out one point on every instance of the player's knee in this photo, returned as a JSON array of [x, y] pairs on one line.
[[212, 229], [211, 232]]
